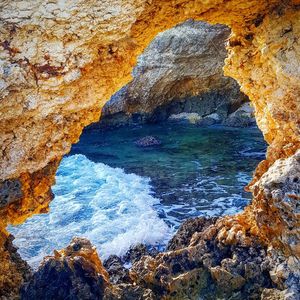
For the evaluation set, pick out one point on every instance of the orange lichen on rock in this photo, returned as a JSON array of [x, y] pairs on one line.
[[61, 61], [75, 270]]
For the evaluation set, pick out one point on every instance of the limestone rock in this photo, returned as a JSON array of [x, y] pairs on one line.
[[279, 188], [190, 118], [75, 272], [136, 252], [116, 270], [182, 64], [184, 234], [14, 270], [60, 61], [210, 120]]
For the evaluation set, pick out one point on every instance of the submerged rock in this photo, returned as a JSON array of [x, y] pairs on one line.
[[148, 141]]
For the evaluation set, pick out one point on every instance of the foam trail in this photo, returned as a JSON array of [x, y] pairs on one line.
[[111, 208]]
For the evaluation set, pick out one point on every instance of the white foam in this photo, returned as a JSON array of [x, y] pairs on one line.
[[111, 208]]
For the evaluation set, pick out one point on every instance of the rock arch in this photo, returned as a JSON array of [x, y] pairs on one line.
[[60, 61]]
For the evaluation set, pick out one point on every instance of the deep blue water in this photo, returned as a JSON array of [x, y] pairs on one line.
[[117, 194]]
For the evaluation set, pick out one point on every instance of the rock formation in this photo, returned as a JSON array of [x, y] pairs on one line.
[[61, 60], [73, 273], [180, 71]]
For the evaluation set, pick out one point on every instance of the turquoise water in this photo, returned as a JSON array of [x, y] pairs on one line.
[[196, 171], [117, 194]]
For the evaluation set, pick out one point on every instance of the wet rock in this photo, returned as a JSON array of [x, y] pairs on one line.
[[117, 267], [183, 236], [197, 265], [136, 252], [116, 270], [129, 292], [148, 141], [75, 272], [276, 294], [211, 119]]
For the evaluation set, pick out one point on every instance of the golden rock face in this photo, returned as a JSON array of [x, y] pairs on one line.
[[61, 62]]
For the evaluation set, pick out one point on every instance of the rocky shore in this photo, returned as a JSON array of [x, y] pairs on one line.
[[61, 61], [196, 264]]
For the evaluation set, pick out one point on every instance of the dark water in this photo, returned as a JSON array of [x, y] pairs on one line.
[[195, 171]]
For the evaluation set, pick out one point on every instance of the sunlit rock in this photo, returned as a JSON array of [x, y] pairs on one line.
[[60, 61], [179, 72], [75, 272]]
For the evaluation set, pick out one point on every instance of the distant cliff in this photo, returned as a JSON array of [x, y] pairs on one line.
[[181, 71]]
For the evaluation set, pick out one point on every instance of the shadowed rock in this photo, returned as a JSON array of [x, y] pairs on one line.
[[75, 272]]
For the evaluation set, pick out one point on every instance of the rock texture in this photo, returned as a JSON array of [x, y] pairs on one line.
[[195, 265], [61, 60], [14, 271], [183, 65], [73, 273]]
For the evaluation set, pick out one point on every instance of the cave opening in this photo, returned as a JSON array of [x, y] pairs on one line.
[[180, 141]]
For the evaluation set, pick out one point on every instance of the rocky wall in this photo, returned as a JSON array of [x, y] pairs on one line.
[[60, 60]]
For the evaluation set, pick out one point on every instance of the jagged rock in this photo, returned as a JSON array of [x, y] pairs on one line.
[[148, 141], [75, 272], [58, 60], [128, 292], [115, 265], [137, 251], [184, 234], [116, 270], [242, 117], [203, 267], [275, 294], [10, 191], [182, 65], [14, 270]]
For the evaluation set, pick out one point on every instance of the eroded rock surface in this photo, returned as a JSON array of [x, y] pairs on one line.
[[61, 60], [14, 270], [76, 272], [182, 65], [200, 266]]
